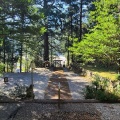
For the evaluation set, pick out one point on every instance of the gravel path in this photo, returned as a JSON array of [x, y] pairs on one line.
[[76, 84], [51, 112], [7, 110], [108, 111], [68, 111], [40, 77]]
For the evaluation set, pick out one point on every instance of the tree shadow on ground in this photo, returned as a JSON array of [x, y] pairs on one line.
[[24, 79], [7, 109]]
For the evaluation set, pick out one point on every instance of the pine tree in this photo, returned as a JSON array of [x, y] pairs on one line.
[[101, 43]]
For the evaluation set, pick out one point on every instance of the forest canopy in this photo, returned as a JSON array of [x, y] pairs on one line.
[[102, 42]]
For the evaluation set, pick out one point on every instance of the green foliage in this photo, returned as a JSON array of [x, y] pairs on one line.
[[42, 30], [22, 92], [22, 25], [102, 41], [29, 92], [19, 91], [100, 82], [89, 92], [1, 67], [103, 89], [106, 96], [118, 77]]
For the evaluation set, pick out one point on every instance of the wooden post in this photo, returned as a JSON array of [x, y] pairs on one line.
[[59, 96], [31, 76], [32, 84], [32, 65]]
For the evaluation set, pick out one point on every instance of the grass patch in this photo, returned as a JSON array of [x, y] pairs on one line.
[[103, 72]]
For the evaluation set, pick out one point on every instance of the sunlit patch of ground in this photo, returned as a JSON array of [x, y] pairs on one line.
[[111, 74]]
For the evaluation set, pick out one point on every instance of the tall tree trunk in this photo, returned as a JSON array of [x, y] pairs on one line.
[[68, 55], [21, 44], [4, 52], [51, 50], [7, 61], [71, 27], [3, 19], [46, 47], [46, 43], [80, 37], [21, 57], [26, 62], [12, 63]]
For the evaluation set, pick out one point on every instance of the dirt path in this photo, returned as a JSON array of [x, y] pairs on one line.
[[56, 81]]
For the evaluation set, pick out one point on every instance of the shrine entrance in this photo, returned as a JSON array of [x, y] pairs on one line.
[[57, 63]]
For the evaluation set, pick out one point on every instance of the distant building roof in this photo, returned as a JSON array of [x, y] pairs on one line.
[[57, 60]]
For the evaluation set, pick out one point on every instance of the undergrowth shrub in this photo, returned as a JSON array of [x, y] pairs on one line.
[[118, 77], [103, 89], [22, 92], [19, 91], [1, 67]]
